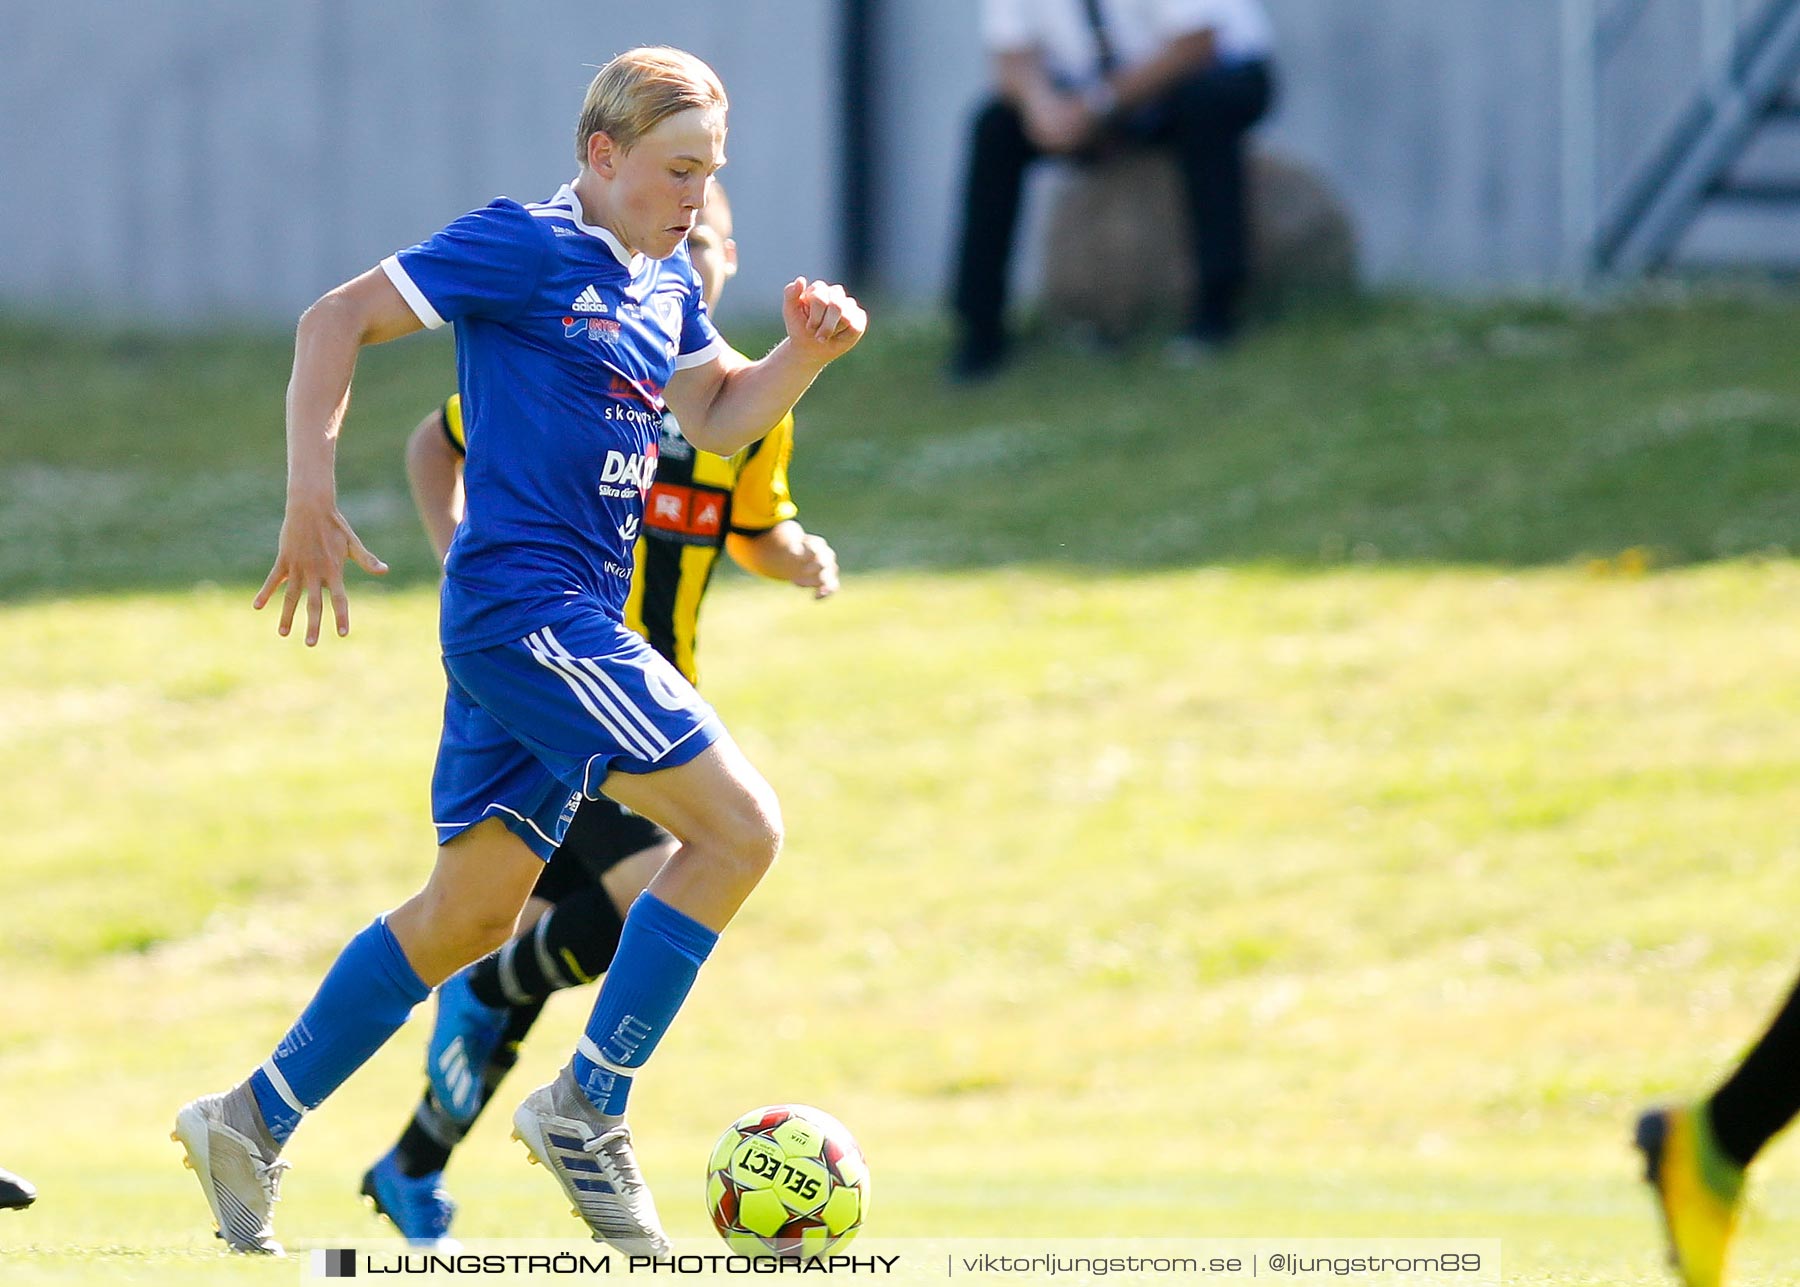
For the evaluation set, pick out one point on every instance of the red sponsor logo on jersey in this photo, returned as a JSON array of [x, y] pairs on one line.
[[623, 386], [686, 511]]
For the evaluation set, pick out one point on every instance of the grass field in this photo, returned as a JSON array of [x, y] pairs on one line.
[[1321, 795]]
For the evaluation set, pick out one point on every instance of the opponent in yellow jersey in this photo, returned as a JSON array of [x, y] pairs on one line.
[[698, 504]]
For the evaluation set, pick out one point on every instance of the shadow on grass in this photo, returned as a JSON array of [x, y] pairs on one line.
[[1517, 433]]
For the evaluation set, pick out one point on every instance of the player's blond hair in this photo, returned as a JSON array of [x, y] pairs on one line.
[[641, 88]]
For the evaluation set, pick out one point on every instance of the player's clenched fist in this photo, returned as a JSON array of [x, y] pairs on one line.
[[818, 566], [823, 319]]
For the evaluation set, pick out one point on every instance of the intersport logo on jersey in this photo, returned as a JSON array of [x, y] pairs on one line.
[[597, 330], [624, 475]]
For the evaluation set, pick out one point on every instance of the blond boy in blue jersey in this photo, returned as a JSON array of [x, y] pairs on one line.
[[699, 504]]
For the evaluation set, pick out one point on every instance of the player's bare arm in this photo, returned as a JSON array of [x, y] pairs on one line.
[[316, 538], [728, 403], [434, 474], [788, 552]]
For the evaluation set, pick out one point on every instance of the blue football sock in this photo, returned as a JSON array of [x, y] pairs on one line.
[[366, 996], [660, 952]]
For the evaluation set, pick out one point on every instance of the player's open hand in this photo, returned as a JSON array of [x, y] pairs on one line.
[[823, 320], [315, 541]]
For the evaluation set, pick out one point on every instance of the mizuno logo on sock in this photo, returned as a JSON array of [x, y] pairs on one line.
[[626, 1038]]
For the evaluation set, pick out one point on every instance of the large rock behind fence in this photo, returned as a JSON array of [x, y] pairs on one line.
[[1118, 254]]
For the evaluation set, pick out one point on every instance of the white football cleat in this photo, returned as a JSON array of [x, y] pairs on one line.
[[590, 1156], [241, 1185]]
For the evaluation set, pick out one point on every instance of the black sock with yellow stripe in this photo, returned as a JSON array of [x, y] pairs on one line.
[[573, 943]]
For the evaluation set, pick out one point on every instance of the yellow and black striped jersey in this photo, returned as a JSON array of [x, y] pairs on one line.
[[695, 500]]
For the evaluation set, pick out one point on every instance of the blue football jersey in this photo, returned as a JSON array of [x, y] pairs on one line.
[[564, 344]]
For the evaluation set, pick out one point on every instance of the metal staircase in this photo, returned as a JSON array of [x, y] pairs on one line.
[[1717, 183]]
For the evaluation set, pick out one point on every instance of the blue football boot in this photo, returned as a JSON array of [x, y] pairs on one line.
[[463, 1039], [419, 1206]]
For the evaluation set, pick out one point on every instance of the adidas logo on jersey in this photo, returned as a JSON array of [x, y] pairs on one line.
[[588, 301]]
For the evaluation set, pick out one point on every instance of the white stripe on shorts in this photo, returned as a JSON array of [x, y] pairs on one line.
[[522, 818], [592, 700], [588, 694], [607, 691], [622, 698]]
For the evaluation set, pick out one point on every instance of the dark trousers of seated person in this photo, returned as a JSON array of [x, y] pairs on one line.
[[1202, 120]]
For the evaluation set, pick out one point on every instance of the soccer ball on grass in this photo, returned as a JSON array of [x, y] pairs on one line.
[[787, 1180]]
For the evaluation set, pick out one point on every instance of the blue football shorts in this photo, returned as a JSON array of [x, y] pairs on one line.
[[532, 727]]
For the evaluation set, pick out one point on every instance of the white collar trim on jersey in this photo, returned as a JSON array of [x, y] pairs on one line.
[[566, 194]]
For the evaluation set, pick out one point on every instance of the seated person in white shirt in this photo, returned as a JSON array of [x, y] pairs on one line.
[[1076, 76]]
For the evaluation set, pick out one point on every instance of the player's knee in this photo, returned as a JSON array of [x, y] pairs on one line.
[[487, 934], [467, 929], [765, 837], [751, 838]]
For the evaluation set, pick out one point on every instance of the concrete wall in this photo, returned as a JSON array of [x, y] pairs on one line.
[[195, 158], [1450, 157]]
